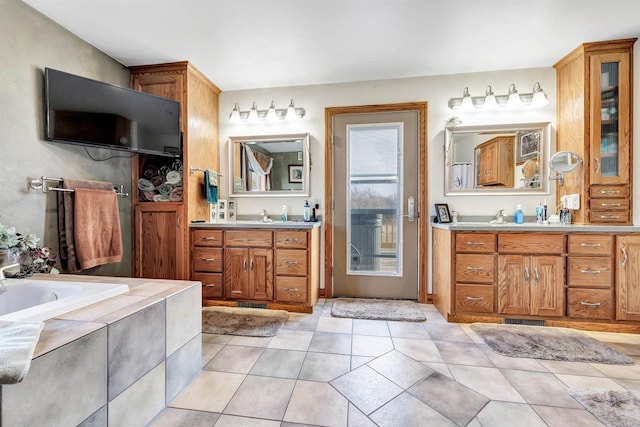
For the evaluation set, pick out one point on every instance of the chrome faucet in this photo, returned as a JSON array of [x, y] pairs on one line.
[[499, 219], [264, 216], [3, 277]]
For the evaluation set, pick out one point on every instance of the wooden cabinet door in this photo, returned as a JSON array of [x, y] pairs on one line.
[[489, 164], [236, 273], [160, 241], [514, 284], [628, 277], [547, 286], [261, 274]]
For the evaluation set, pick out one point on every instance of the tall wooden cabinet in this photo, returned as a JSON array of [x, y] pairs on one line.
[[594, 113], [496, 162], [161, 228]]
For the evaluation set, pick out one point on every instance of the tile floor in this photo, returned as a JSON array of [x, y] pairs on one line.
[[326, 371]]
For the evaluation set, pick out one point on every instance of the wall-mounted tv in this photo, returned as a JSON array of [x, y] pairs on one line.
[[92, 113]]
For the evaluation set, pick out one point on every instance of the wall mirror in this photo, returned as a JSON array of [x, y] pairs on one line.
[[497, 159], [564, 162], [269, 165]]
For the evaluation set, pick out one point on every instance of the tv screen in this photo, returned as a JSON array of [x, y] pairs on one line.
[[97, 114]]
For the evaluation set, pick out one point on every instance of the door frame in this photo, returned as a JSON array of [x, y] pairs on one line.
[[423, 223]]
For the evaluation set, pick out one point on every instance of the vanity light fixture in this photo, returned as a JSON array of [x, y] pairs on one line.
[[272, 114], [513, 99]]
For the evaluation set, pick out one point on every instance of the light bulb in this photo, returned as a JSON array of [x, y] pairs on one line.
[[467, 103], [291, 112], [253, 114], [490, 102], [271, 116], [234, 117], [539, 97], [514, 100]]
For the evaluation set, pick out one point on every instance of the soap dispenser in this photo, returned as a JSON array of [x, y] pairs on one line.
[[283, 217], [306, 212], [518, 215]]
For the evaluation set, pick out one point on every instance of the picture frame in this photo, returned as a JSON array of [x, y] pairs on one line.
[[231, 210], [528, 146], [442, 213], [219, 213], [295, 173]]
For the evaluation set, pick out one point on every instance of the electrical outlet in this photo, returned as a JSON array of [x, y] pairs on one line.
[[572, 201]]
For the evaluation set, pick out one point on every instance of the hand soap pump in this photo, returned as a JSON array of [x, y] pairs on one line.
[[284, 213], [518, 215], [306, 212]]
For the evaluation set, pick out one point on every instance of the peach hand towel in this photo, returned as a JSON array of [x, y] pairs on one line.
[[97, 227]]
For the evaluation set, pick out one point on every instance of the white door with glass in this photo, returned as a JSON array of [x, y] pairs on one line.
[[375, 214]]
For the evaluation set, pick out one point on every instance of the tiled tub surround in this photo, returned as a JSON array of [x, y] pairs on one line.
[[113, 363]]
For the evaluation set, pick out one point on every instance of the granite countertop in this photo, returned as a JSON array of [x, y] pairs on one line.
[[532, 226], [257, 224]]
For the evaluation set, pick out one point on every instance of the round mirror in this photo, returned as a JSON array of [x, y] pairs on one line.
[[530, 168], [564, 161]]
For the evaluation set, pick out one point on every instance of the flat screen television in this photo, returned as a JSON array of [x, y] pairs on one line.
[[88, 112]]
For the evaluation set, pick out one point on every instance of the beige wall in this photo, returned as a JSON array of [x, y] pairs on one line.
[[29, 42]]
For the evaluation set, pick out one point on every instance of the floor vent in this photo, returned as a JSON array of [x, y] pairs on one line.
[[252, 304], [530, 322]]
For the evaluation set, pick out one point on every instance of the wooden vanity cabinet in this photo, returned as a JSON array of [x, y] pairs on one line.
[[292, 265], [531, 274], [207, 261], [248, 264], [594, 93], [496, 166], [475, 272], [627, 277]]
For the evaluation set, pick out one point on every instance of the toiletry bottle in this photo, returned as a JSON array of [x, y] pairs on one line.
[[539, 214], [284, 213], [306, 212], [518, 215], [544, 212]]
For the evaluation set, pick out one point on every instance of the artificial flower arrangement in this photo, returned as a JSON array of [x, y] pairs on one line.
[[33, 258]]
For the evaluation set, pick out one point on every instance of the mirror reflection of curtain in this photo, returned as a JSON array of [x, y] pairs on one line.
[[256, 170], [461, 176]]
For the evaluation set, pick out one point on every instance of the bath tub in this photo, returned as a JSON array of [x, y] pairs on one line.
[[31, 299]]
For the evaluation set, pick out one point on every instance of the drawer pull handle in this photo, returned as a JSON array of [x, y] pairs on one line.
[[526, 275], [210, 285], [207, 259], [475, 268], [290, 289], [609, 216], [290, 262], [583, 271], [475, 298], [590, 304], [611, 205], [236, 292], [207, 239], [609, 191], [251, 264], [475, 243], [244, 265], [291, 239], [590, 245], [624, 257]]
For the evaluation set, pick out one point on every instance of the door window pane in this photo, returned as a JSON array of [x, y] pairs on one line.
[[374, 199], [609, 103]]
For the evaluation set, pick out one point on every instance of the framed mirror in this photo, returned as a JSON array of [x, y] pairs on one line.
[[269, 165], [497, 159]]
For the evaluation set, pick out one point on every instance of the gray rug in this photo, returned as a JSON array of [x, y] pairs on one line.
[[542, 342], [251, 322], [377, 309], [611, 407]]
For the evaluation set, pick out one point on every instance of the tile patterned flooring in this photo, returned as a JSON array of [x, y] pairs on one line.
[[326, 371]]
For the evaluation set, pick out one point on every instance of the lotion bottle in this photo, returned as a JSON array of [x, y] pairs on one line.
[[306, 212], [518, 215], [283, 217]]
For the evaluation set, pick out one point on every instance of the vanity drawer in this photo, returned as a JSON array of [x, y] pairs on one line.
[[613, 217], [590, 303], [609, 191], [249, 238], [207, 259], [608, 204], [475, 242], [291, 289], [291, 262], [590, 244], [475, 298], [592, 272], [517, 243], [474, 268], [291, 239], [207, 238], [211, 284]]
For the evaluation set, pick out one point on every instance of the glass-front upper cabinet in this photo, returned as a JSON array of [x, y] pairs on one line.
[[610, 121]]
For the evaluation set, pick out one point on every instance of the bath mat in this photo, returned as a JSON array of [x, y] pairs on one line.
[[377, 309], [542, 342], [611, 407], [251, 322]]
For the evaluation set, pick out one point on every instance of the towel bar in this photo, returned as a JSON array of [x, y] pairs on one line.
[[193, 169], [38, 184]]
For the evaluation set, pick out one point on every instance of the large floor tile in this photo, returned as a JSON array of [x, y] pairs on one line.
[[357, 361], [508, 414], [446, 332], [236, 421], [291, 340], [171, 417], [324, 367], [571, 368], [505, 362], [487, 381], [357, 419], [366, 389], [414, 330], [628, 372], [261, 397], [578, 381], [233, 358], [371, 327], [455, 401], [336, 325], [421, 350], [540, 388], [462, 353], [210, 391], [304, 406], [279, 363], [250, 341], [401, 369], [327, 342], [562, 417], [366, 345], [301, 322], [407, 411]]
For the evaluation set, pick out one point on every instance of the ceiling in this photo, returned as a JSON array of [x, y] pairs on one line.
[[248, 44]]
